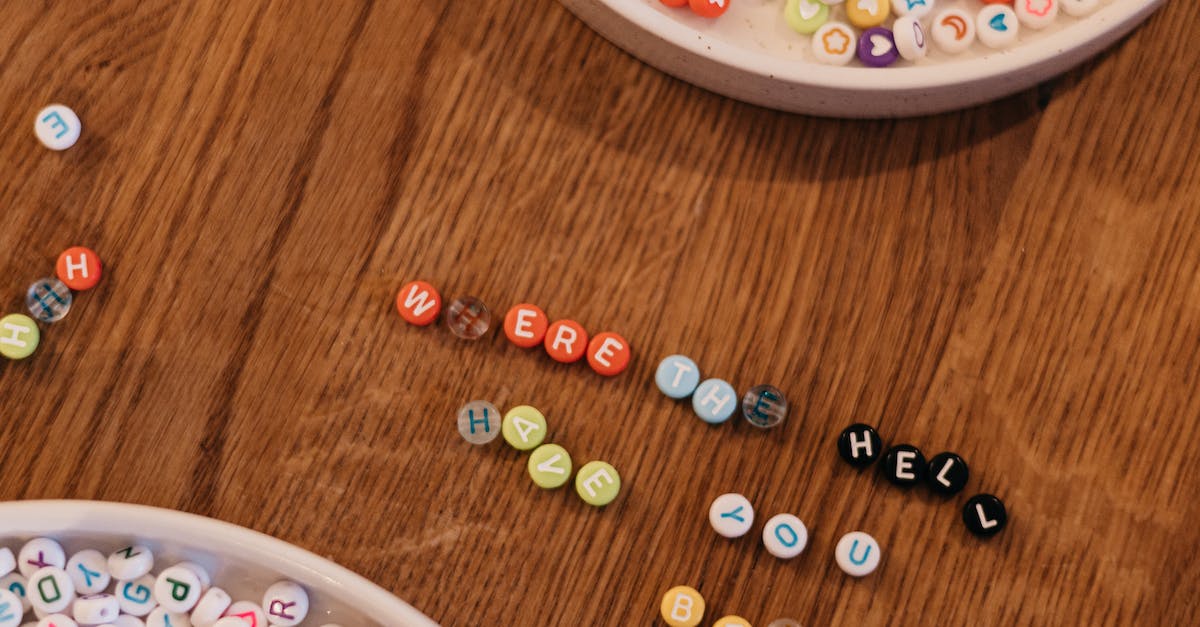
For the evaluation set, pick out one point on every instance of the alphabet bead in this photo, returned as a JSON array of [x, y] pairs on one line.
[[159, 617], [731, 621], [177, 589], [785, 536], [249, 612], [50, 590], [764, 406], [10, 609], [598, 483], [15, 583], [210, 607], [525, 325], [8, 561], [682, 606], [948, 473], [19, 338], [136, 597], [904, 465], [131, 562], [550, 466], [40, 553], [79, 268], [608, 354], [57, 620], [731, 515], [48, 300], [286, 604], [984, 515], [859, 445], [857, 554], [677, 376], [524, 427], [231, 621], [566, 341], [468, 318], [95, 609], [478, 422], [89, 571], [57, 127], [418, 303], [714, 401]]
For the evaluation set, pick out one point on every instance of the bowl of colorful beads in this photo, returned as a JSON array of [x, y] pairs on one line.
[[71, 563], [863, 58]]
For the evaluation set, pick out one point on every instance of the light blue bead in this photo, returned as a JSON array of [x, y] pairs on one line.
[[677, 376], [714, 401]]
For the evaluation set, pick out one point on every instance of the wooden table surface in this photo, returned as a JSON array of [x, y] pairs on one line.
[[1016, 283]]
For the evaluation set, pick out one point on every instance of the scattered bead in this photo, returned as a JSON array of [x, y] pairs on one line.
[[682, 606], [79, 268], [714, 401], [524, 427], [608, 354], [835, 43], [857, 554], [867, 13], [525, 325], [953, 31], [859, 445], [57, 127], [764, 406], [785, 536], [418, 303], [1036, 14], [947, 473], [877, 47], [286, 604], [984, 515], [19, 337], [468, 318], [89, 572], [731, 621], [130, 563], [677, 376], [997, 26], [904, 465], [910, 38], [598, 483], [805, 16], [912, 8], [731, 515], [39, 552], [479, 422], [709, 8], [566, 341], [550, 466], [48, 300]]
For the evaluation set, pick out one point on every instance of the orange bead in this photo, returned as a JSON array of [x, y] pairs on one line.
[[79, 268], [525, 325], [419, 303], [608, 354], [709, 8], [675, 3], [566, 341]]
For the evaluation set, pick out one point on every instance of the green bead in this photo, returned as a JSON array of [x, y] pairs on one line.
[[524, 427], [598, 483], [19, 336], [805, 16], [550, 466]]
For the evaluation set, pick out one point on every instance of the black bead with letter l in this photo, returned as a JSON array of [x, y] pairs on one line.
[[984, 515], [948, 473]]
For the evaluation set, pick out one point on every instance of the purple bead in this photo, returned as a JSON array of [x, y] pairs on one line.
[[877, 47]]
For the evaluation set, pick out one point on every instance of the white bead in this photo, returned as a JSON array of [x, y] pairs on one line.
[[57, 127], [1036, 14], [857, 554], [953, 30], [910, 38], [731, 515], [1079, 8], [125, 620], [177, 590], [8, 561], [231, 621], [57, 620], [286, 604], [15, 583], [997, 26], [205, 579], [130, 563], [211, 606], [834, 43], [40, 553], [10, 609], [249, 612], [96, 608], [162, 618], [785, 536], [89, 570], [915, 8], [136, 597], [50, 590]]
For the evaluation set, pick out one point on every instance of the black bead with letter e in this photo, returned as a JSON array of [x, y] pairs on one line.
[[985, 515], [859, 445], [948, 473], [904, 465]]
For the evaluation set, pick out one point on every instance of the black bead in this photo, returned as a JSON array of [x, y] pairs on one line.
[[948, 473], [904, 465], [859, 445], [984, 515]]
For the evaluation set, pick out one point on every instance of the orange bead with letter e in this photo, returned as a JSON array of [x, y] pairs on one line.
[[608, 354]]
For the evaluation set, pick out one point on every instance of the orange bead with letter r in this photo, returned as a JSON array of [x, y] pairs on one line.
[[419, 303], [608, 354], [566, 341], [79, 268]]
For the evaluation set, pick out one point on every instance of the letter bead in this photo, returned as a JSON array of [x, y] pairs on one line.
[[19, 338], [857, 554], [40, 553], [714, 401], [468, 318], [785, 536], [159, 617], [125, 620], [249, 612], [566, 341], [598, 483], [48, 300], [8, 561], [677, 376], [904, 465], [479, 422], [947, 473], [525, 325], [984, 515], [210, 607], [731, 621], [57, 127], [136, 597], [764, 406], [524, 427], [286, 604], [550, 466], [608, 354], [731, 515], [10, 609], [418, 303], [89, 570], [57, 620], [859, 445], [15, 583], [231, 621], [79, 268], [177, 589], [50, 590], [95, 609], [682, 606], [131, 562]]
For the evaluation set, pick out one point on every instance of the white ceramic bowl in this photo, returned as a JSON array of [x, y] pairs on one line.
[[241, 561], [750, 54]]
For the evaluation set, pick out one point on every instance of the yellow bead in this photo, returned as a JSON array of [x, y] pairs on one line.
[[19, 336], [598, 483], [867, 13], [524, 427], [550, 466], [682, 606], [731, 621]]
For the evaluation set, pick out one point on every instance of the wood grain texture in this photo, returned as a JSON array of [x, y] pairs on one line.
[[1016, 283]]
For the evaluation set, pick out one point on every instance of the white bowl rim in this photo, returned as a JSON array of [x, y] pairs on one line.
[[994, 64], [49, 517]]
